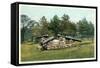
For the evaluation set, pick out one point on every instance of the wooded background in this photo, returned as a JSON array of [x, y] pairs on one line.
[[31, 29]]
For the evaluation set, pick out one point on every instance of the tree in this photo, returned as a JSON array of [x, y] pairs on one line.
[[67, 27], [86, 29], [64, 24], [29, 31], [72, 29], [44, 26], [26, 28], [54, 25], [36, 30], [91, 29], [24, 21]]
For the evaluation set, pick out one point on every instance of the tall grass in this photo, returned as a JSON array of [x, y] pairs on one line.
[[30, 52]]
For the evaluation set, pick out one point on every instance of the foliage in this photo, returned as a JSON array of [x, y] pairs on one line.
[[86, 29], [55, 25], [31, 29], [26, 28]]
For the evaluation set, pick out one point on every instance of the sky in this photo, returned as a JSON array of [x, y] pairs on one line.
[[35, 12]]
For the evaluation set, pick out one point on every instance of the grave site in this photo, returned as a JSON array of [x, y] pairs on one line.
[[58, 42], [50, 48]]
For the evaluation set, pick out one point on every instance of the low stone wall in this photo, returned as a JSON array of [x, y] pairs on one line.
[[57, 44]]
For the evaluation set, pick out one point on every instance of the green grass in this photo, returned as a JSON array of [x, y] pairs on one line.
[[30, 52]]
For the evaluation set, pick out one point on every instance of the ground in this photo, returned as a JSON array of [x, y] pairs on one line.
[[30, 52]]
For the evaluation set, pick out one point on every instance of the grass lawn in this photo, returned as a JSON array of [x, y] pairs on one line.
[[30, 52]]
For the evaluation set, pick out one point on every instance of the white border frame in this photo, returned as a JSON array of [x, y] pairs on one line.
[[60, 60]]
